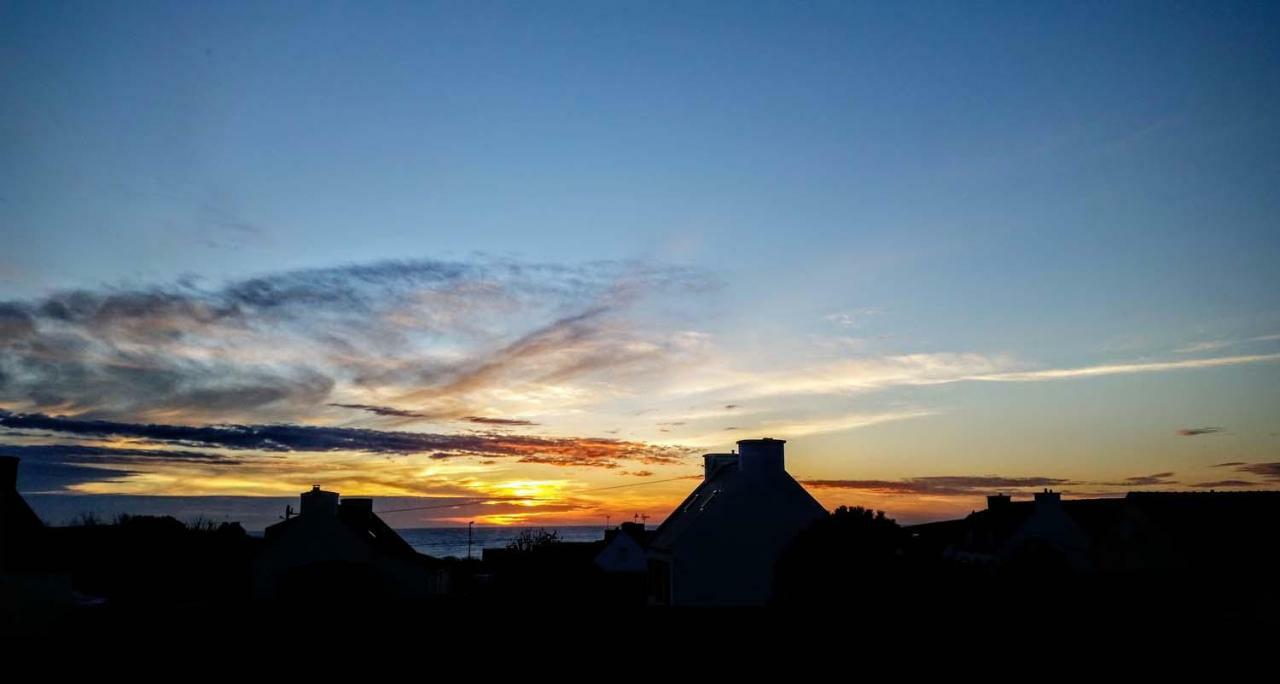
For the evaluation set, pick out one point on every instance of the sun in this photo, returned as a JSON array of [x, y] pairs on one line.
[[529, 492]]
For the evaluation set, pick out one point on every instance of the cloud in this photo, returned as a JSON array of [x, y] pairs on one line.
[[1126, 368], [1269, 471], [1215, 345], [510, 422], [1144, 480], [57, 467], [851, 319], [975, 485], [39, 476], [283, 345], [946, 485], [1200, 347], [1192, 432], [1225, 484], [382, 410], [392, 412], [83, 453], [578, 451], [850, 421], [874, 374]]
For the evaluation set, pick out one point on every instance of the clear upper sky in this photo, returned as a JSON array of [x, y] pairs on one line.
[[922, 240]]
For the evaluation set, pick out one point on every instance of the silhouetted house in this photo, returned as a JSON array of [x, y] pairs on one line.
[[1046, 534], [624, 549], [1234, 533], [1141, 532], [21, 532], [341, 551], [32, 589], [719, 546]]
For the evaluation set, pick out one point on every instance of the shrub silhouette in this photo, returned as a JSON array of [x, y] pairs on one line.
[[852, 554]]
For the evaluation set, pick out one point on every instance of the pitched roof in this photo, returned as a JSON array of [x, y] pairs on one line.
[[360, 520], [728, 489]]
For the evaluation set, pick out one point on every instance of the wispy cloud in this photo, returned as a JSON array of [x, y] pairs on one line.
[[1216, 345], [944, 485], [1269, 471], [1192, 432], [1144, 481], [1127, 368], [853, 318], [838, 423], [504, 422], [873, 374], [974, 485], [382, 410], [594, 452], [430, 337], [1226, 484]]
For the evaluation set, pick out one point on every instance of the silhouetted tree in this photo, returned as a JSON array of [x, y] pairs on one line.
[[531, 539], [854, 554]]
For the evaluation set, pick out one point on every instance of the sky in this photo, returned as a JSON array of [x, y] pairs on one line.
[[523, 263]]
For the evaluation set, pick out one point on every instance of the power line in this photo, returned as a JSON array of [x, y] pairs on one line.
[[636, 484]]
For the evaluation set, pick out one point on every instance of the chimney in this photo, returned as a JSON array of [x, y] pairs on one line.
[[1048, 498], [996, 502], [318, 502], [356, 508], [761, 457], [8, 473], [713, 462]]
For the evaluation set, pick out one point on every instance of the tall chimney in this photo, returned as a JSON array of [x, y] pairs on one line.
[[356, 508], [8, 473], [318, 502], [1048, 498], [713, 462], [761, 457]]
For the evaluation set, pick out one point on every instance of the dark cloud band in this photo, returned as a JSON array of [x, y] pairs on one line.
[[307, 438]]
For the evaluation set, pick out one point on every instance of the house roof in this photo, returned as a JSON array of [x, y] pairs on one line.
[[988, 529], [1192, 519], [728, 491], [356, 515]]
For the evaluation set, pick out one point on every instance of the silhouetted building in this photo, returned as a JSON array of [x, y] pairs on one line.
[[625, 549], [1141, 532], [21, 531], [341, 551], [32, 590], [719, 546], [1236, 533]]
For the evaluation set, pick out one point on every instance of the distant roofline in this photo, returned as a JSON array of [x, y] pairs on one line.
[[762, 439]]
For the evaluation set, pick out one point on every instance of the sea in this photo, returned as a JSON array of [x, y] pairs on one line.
[[452, 541]]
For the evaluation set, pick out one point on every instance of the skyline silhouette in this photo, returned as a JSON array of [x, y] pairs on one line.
[[523, 264]]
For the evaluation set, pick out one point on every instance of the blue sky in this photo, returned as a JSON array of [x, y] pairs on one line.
[[990, 187]]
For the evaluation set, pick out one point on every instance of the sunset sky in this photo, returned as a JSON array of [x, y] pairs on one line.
[[526, 262]]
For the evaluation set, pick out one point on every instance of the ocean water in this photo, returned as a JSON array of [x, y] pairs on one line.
[[452, 541]]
